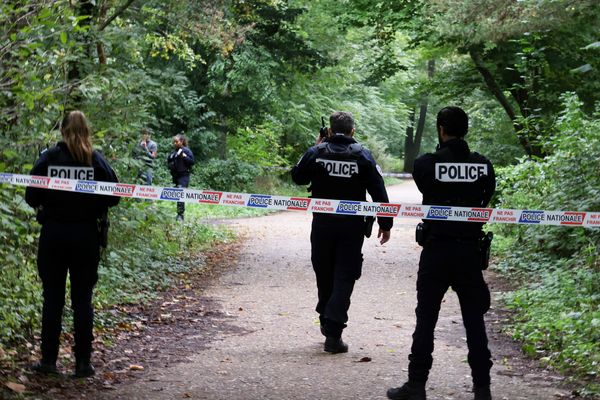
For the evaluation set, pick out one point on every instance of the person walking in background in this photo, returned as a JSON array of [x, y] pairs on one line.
[[337, 167], [180, 163], [146, 151], [69, 240], [454, 254]]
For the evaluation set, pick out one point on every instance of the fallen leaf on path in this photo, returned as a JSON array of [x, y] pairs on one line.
[[365, 359], [15, 387], [135, 367], [187, 395]]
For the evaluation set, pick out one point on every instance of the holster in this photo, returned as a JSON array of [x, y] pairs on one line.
[[369, 221], [422, 233], [103, 225], [485, 243]]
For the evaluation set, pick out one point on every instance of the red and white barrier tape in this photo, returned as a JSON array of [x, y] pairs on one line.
[[343, 207]]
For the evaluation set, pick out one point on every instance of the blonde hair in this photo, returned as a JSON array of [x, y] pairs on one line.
[[76, 133]]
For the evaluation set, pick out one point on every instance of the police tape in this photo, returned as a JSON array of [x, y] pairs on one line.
[[328, 206]]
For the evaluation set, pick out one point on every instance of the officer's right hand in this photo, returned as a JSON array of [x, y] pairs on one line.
[[384, 235]]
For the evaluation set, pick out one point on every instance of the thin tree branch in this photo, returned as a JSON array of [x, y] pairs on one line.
[[119, 11]]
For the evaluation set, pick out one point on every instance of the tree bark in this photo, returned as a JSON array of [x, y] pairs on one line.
[[99, 44], [412, 145], [409, 158], [498, 93]]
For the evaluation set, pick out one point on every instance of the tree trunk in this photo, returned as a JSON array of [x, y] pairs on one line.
[[409, 155], [412, 145], [497, 92]]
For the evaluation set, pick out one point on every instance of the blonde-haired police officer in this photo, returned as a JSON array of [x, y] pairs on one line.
[[69, 239]]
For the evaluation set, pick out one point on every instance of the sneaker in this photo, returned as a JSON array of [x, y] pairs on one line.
[[335, 345], [45, 368], [84, 369], [482, 393], [407, 392]]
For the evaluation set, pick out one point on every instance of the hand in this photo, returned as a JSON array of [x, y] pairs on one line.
[[319, 139], [384, 235], [183, 155]]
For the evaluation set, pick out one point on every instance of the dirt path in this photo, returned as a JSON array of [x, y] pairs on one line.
[[275, 352]]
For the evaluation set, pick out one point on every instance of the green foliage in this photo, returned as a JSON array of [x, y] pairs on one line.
[[231, 175], [558, 307], [259, 146], [557, 318]]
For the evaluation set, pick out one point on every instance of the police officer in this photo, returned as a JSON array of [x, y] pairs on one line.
[[69, 240], [339, 168], [451, 256], [180, 163]]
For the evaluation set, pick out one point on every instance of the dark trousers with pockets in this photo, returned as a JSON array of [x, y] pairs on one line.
[[71, 247], [181, 181], [336, 243], [456, 264]]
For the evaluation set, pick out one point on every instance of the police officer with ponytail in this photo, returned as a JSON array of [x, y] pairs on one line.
[[180, 162], [338, 167], [454, 253], [70, 240]]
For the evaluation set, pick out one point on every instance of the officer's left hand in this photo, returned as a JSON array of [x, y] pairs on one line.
[[384, 235]]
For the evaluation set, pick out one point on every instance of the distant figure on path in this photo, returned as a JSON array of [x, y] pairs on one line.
[[180, 163], [146, 151]]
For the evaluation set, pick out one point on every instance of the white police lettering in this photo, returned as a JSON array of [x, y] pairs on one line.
[[343, 169], [459, 172], [80, 173]]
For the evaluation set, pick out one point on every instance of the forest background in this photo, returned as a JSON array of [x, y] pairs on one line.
[[248, 80]]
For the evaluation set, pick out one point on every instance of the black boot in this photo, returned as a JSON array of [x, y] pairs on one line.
[[335, 345], [408, 391], [84, 368], [45, 368], [482, 393]]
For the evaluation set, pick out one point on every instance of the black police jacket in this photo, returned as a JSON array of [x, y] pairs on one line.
[[61, 206], [178, 164], [454, 176], [340, 168]]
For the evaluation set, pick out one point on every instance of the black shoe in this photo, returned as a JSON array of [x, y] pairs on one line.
[[45, 368], [84, 369], [335, 345], [482, 393], [407, 392]]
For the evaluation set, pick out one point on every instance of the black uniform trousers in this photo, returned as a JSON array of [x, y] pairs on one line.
[[451, 263], [181, 181], [71, 247], [336, 243]]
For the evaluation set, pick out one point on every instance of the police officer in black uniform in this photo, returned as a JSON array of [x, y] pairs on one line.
[[69, 240], [452, 254], [337, 167], [180, 163]]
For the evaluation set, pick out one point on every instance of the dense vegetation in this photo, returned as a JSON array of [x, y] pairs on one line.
[[247, 82]]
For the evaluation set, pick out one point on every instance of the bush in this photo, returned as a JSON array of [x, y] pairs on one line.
[[558, 308], [231, 175]]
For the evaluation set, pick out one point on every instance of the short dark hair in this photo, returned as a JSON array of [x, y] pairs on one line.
[[454, 120], [341, 122]]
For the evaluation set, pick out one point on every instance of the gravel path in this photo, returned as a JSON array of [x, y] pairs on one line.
[[276, 353]]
